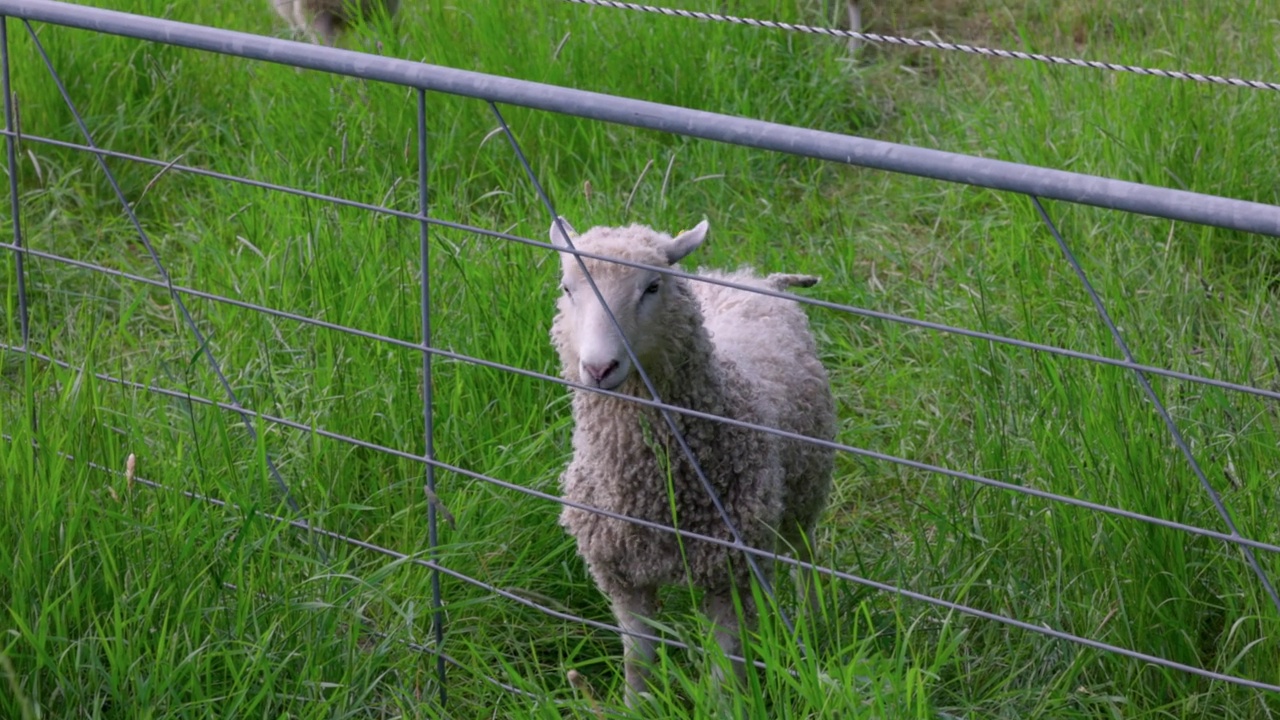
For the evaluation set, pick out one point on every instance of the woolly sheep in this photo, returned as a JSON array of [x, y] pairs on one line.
[[327, 17], [715, 349]]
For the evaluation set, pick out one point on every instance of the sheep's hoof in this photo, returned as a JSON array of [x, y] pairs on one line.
[[643, 698]]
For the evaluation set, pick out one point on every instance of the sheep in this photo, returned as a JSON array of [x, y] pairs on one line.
[[327, 17], [848, 17], [855, 23], [707, 347]]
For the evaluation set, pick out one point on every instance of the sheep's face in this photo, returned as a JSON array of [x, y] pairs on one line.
[[638, 299]]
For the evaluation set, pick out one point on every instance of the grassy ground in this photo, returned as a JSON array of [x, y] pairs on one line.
[[126, 602]]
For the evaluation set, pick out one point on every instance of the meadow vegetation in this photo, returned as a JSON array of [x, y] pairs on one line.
[[126, 602]]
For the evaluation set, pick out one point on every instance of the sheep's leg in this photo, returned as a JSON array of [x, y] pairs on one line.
[[719, 608], [631, 609], [326, 26], [803, 545]]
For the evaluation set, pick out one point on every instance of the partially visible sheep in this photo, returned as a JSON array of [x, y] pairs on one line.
[[327, 17], [707, 347], [855, 22], [847, 15]]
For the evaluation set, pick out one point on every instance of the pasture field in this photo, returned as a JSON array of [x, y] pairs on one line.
[[126, 602]]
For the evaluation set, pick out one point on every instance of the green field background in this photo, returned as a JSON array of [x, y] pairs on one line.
[[125, 602]]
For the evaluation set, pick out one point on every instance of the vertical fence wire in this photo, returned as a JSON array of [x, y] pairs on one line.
[[11, 148], [15, 208], [1150, 392], [428, 416], [685, 450], [201, 340]]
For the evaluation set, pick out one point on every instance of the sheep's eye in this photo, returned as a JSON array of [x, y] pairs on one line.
[[653, 287]]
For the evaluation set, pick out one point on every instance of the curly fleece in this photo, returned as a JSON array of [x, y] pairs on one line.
[[721, 351]]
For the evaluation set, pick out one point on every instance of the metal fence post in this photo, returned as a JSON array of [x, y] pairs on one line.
[[437, 619], [11, 147], [15, 206]]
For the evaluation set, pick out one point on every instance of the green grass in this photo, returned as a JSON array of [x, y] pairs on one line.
[[127, 602]]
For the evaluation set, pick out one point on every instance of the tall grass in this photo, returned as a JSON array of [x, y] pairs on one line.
[[122, 601]]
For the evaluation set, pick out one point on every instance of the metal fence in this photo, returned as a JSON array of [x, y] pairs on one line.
[[1034, 182]]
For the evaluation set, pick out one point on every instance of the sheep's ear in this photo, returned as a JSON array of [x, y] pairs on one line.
[[557, 238], [686, 242]]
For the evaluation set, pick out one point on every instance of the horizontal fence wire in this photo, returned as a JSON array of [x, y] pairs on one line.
[[533, 374], [671, 271], [416, 647], [1241, 541], [736, 544], [463, 358], [831, 572], [367, 627], [933, 44], [764, 554]]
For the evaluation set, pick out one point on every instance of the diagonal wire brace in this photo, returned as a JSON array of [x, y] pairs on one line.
[[201, 340], [1155, 401]]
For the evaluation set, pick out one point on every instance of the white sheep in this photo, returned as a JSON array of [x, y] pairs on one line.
[[327, 17], [707, 347]]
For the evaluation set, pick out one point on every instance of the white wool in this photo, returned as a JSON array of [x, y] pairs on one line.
[[325, 18]]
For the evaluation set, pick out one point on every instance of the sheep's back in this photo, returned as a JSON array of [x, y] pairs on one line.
[[769, 339]]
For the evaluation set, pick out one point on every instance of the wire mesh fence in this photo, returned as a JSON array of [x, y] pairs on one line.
[[422, 79]]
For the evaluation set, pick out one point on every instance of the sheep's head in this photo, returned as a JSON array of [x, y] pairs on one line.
[[644, 302]]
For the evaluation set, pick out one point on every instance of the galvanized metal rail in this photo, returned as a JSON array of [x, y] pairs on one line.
[[941, 165]]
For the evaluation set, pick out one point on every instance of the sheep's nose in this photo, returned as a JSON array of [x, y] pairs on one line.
[[599, 372]]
